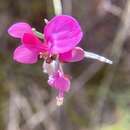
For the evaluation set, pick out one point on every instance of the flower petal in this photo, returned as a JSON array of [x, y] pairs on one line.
[[60, 82], [18, 29], [24, 55], [33, 43], [63, 33], [63, 84], [74, 55]]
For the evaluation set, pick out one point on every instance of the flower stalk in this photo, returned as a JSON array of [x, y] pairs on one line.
[[38, 34]]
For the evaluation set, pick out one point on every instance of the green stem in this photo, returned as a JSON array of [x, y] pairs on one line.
[[38, 34]]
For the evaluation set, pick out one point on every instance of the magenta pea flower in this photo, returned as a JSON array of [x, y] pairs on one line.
[[60, 38]]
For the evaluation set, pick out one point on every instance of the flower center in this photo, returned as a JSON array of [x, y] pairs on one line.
[[48, 58]]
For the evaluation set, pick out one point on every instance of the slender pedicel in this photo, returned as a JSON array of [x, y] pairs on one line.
[[97, 57]]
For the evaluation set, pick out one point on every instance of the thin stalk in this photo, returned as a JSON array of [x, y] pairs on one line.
[[38, 34]]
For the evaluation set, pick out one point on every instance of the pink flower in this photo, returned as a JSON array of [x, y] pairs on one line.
[[61, 35], [60, 38]]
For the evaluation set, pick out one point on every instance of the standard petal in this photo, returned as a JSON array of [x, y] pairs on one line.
[[74, 55], [62, 33], [18, 29], [33, 43], [24, 55], [60, 82]]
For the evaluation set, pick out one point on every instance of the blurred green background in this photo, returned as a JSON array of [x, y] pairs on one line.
[[99, 98]]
